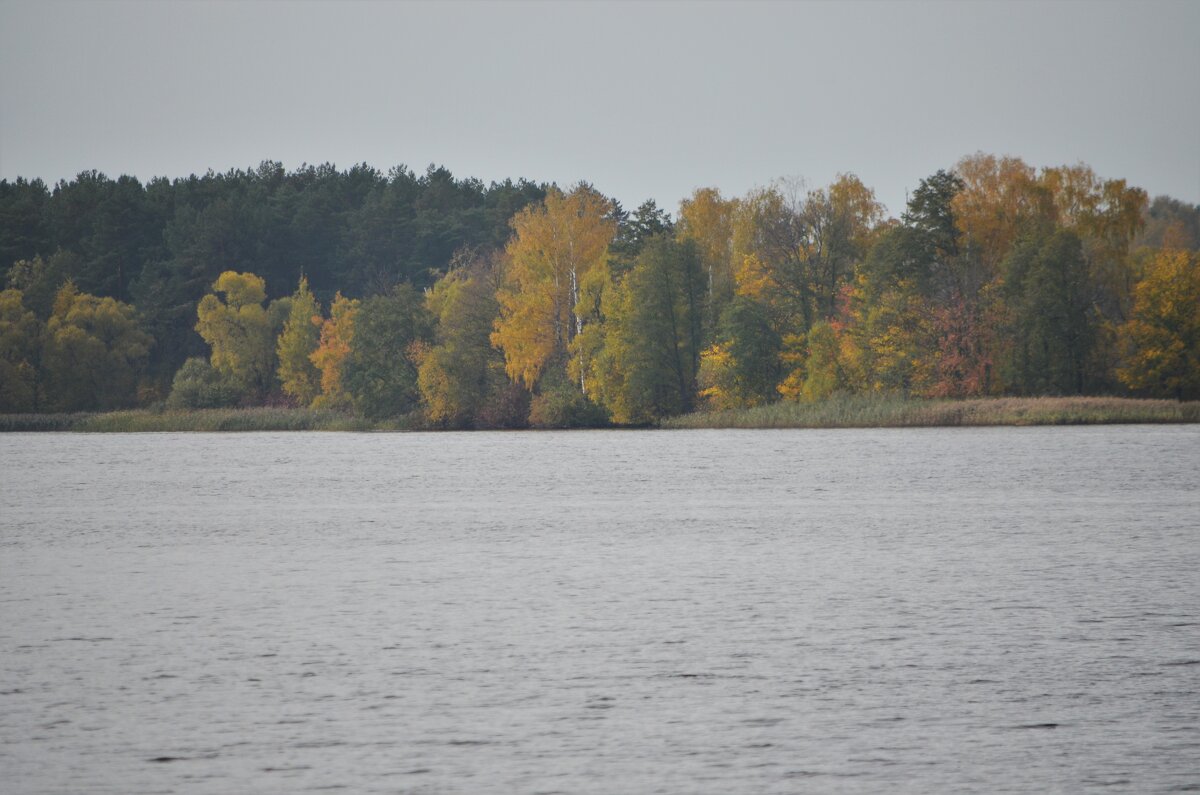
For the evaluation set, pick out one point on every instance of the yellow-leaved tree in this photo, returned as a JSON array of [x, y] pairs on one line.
[[298, 376], [1162, 339], [241, 331], [557, 271], [707, 220], [998, 197]]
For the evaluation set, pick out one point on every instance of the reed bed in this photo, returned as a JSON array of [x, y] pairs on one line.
[[20, 423], [837, 412], [898, 412], [194, 420]]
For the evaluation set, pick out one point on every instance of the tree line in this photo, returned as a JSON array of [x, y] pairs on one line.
[[464, 305]]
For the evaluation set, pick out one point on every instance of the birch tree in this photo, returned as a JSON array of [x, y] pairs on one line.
[[554, 283]]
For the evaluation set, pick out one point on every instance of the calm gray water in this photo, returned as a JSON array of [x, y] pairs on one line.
[[957, 610]]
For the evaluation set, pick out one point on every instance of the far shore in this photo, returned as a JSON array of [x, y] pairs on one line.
[[838, 412]]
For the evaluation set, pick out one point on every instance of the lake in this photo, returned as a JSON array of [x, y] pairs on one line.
[[904, 610]]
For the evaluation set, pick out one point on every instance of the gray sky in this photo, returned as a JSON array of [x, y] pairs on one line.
[[641, 100]]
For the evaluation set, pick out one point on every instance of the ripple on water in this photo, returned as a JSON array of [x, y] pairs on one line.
[[972, 610]]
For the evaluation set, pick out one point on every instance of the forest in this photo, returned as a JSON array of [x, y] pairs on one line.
[[457, 304]]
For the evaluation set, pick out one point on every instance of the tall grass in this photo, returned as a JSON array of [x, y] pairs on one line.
[[838, 412], [16, 423], [146, 420], [897, 412]]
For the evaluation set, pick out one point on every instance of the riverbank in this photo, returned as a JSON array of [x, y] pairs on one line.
[[842, 412], [192, 420], [898, 412]]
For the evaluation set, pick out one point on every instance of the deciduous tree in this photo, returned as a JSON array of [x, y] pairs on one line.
[[380, 371], [743, 367], [1162, 339], [648, 365], [554, 281], [461, 373], [298, 376], [241, 331], [93, 354], [1051, 329], [20, 349], [337, 333], [707, 219]]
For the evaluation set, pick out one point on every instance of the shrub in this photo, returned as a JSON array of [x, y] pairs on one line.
[[198, 385], [563, 406]]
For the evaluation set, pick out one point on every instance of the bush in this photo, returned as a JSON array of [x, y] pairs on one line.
[[563, 406], [507, 408], [198, 385]]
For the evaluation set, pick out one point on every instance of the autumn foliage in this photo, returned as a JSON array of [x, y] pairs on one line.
[[996, 279]]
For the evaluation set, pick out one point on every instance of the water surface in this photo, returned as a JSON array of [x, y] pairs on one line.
[[694, 611]]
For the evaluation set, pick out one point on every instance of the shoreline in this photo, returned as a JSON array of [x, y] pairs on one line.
[[838, 412], [897, 412]]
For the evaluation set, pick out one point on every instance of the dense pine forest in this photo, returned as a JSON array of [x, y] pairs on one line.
[[460, 305]]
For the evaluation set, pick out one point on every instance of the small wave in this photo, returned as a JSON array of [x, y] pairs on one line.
[[165, 759], [762, 721]]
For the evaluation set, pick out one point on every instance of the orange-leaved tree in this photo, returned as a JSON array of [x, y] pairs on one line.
[[337, 332]]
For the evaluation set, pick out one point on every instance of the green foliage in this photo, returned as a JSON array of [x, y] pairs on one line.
[[634, 232], [198, 385], [650, 358], [20, 347], [93, 353], [461, 374], [998, 278], [930, 216], [40, 279], [214, 420], [1051, 333], [24, 222], [560, 404], [822, 371], [380, 372], [744, 367], [162, 243]]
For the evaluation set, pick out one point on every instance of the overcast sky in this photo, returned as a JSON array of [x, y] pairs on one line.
[[644, 101]]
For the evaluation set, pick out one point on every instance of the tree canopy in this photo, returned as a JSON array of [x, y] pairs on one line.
[[464, 305]]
